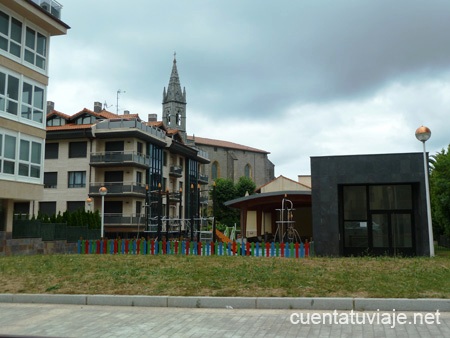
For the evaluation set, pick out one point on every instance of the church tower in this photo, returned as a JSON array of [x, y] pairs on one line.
[[174, 103]]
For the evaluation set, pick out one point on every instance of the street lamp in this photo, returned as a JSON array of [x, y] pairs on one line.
[[89, 203], [103, 191], [423, 134]]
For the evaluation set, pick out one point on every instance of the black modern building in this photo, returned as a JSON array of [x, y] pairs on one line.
[[374, 204]]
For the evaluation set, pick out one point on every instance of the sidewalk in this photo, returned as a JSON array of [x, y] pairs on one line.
[[56, 320]]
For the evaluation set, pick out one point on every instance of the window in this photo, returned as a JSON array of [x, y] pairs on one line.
[[51, 151], [75, 205], [77, 149], [47, 208], [9, 153], [114, 146], [77, 179], [56, 121], [50, 180], [248, 171], [32, 107], [140, 148], [9, 93], [35, 48], [10, 34], [139, 177], [30, 159], [86, 119], [215, 170]]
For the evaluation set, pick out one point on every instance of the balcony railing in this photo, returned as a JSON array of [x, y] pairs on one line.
[[176, 170], [132, 123], [118, 188], [51, 6], [119, 158], [127, 220], [203, 179]]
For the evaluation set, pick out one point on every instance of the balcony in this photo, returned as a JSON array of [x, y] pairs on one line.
[[131, 189], [120, 159], [51, 6], [125, 220], [176, 170], [203, 179]]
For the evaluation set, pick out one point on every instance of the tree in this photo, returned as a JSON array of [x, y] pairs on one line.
[[225, 191], [245, 185], [440, 191]]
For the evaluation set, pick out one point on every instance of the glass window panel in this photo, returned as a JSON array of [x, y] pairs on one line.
[[29, 56], [10, 147], [35, 171], [355, 234], [402, 231], [16, 30], [23, 169], [355, 203], [24, 150], [1, 144], [26, 112], [14, 49], [390, 197], [2, 83], [11, 107], [36, 153], [13, 87], [3, 43], [41, 44], [51, 150], [30, 38], [38, 100], [380, 230], [27, 93], [40, 62], [38, 116], [4, 23], [8, 167], [2, 104]]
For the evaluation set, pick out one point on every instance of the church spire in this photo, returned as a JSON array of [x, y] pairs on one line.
[[174, 92], [174, 102]]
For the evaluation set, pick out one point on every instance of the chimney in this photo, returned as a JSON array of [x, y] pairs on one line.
[[97, 107], [126, 112], [152, 117], [50, 106]]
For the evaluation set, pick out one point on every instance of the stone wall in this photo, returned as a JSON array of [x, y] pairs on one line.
[[33, 246]]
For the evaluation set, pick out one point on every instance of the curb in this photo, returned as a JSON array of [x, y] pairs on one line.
[[291, 303]]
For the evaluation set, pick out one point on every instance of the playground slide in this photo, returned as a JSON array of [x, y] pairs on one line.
[[221, 236]]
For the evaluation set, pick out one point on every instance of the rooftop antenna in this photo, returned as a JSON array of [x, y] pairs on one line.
[[106, 106], [119, 92]]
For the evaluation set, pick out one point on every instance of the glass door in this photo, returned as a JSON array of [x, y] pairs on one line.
[[391, 233]]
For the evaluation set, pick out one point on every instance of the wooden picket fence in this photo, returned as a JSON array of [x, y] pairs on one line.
[[152, 247]]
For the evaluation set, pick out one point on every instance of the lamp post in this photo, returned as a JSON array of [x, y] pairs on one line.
[[89, 203], [103, 191], [167, 214], [214, 212], [423, 134], [192, 212], [146, 206], [180, 210], [158, 233]]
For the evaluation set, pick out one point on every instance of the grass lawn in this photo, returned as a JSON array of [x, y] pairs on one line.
[[391, 277]]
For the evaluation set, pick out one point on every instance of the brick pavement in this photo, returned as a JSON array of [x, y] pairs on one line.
[[54, 320]]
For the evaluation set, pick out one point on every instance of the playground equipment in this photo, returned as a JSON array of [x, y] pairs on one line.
[[286, 231]]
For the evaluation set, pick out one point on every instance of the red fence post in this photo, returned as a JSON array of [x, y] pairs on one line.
[[306, 248], [267, 249]]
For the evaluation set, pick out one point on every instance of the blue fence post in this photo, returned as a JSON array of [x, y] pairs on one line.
[[302, 250], [229, 248], [272, 249]]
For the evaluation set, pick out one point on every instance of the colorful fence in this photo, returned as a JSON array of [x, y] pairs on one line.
[[151, 247]]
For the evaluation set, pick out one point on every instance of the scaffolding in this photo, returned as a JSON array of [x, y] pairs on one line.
[[286, 231], [181, 228]]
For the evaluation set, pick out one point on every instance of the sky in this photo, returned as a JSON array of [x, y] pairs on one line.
[[297, 79]]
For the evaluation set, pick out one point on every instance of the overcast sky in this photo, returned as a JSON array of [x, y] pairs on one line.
[[295, 78]]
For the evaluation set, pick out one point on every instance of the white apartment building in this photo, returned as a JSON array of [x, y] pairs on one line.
[[25, 30]]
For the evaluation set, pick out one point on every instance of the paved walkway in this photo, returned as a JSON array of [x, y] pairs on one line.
[[55, 320]]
